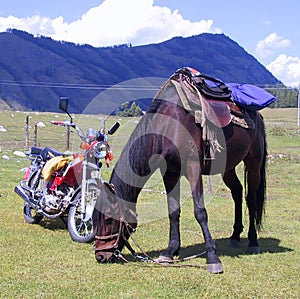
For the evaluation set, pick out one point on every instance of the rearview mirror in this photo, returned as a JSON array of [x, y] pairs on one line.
[[63, 104], [114, 128]]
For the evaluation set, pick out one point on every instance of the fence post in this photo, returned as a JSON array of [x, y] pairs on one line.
[[208, 182], [299, 105], [35, 134], [68, 137], [27, 132]]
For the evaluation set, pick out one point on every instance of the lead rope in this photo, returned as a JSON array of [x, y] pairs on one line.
[[147, 259], [171, 263]]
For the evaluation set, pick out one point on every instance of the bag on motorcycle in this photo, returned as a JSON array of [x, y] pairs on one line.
[[54, 164]]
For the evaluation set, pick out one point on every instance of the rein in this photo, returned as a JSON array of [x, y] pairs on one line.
[[147, 259], [125, 227]]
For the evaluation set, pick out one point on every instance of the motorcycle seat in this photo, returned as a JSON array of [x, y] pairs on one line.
[[48, 153], [36, 150]]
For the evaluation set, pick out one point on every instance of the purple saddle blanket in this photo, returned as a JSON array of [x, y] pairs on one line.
[[250, 96]]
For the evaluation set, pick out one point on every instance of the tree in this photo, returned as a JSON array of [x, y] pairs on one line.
[[129, 111], [286, 97]]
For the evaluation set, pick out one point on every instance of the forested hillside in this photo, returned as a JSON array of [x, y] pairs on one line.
[[36, 71]]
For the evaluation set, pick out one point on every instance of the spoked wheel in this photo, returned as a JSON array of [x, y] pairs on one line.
[[80, 225], [30, 215]]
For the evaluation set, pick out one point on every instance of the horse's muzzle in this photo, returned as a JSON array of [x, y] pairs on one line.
[[105, 257]]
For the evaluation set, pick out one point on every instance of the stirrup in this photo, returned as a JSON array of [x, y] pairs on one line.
[[209, 154], [209, 158]]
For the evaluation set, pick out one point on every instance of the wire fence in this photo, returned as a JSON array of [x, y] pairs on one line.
[[35, 135], [21, 131], [20, 136]]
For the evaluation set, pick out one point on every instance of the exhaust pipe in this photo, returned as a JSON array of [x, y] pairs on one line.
[[20, 191]]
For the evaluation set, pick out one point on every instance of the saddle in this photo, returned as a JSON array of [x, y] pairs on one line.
[[210, 101], [215, 100], [211, 87]]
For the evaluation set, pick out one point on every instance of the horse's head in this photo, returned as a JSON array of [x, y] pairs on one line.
[[113, 222]]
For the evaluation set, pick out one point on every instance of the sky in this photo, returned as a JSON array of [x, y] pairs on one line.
[[268, 30]]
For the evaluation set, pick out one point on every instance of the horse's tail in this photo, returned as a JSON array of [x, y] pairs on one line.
[[261, 191]]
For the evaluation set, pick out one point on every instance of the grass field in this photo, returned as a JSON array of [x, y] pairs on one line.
[[41, 261]]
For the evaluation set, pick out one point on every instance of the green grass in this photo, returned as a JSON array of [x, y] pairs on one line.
[[41, 261]]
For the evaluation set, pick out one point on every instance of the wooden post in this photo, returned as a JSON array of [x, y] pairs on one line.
[[209, 189], [35, 134], [27, 132], [68, 137], [299, 106]]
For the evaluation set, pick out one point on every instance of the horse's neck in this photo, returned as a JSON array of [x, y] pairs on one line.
[[135, 166], [140, 157], [125, 191]]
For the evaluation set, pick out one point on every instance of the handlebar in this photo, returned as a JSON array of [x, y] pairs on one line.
[[67, 123], [63, 123], [80, 133]]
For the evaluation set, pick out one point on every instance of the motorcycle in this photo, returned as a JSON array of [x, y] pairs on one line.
[[59, 185]]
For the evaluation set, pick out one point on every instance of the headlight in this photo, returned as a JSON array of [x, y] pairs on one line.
[[91, 134], [100, 150]]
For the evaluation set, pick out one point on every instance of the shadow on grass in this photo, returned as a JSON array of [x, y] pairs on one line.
[[59, 223], [268, 245]]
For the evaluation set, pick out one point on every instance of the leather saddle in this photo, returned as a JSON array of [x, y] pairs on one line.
[[220, 113], [219, 106], [210, 87]]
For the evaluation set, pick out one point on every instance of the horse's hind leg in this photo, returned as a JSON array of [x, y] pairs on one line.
[[254, 180], [172, 185], [232, 182], [255, 172]]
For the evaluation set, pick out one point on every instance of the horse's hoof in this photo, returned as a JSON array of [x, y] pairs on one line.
[[234, 243], [253, 250], [215, 268], [163, 260]]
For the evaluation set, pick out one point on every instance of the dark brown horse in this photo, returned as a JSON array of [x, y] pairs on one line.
[[169, 138]]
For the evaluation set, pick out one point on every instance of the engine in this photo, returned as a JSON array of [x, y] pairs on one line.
[[56, 202]]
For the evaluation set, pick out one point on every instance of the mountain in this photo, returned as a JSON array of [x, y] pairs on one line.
[[36, 71]]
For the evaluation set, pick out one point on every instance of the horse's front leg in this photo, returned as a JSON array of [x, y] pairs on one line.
[[214, 264], [172, 185]]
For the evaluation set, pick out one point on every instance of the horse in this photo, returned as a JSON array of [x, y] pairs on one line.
[[169, 138]]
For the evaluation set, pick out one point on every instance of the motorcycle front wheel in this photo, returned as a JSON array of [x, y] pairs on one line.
[[80, 225], [30, 215]]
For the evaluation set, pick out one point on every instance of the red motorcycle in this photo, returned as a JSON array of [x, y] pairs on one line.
[[59, 185]]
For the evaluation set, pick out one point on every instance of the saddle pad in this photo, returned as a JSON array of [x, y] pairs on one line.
[[250, 96]]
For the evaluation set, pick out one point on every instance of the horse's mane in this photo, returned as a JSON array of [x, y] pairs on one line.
[[132, 169], [133, 159]]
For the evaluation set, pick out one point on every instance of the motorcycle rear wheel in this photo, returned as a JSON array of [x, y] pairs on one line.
[[30, 215], [81, 229]]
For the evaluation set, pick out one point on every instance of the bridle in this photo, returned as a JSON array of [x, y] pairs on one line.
[[110, 249], [112, 253]]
